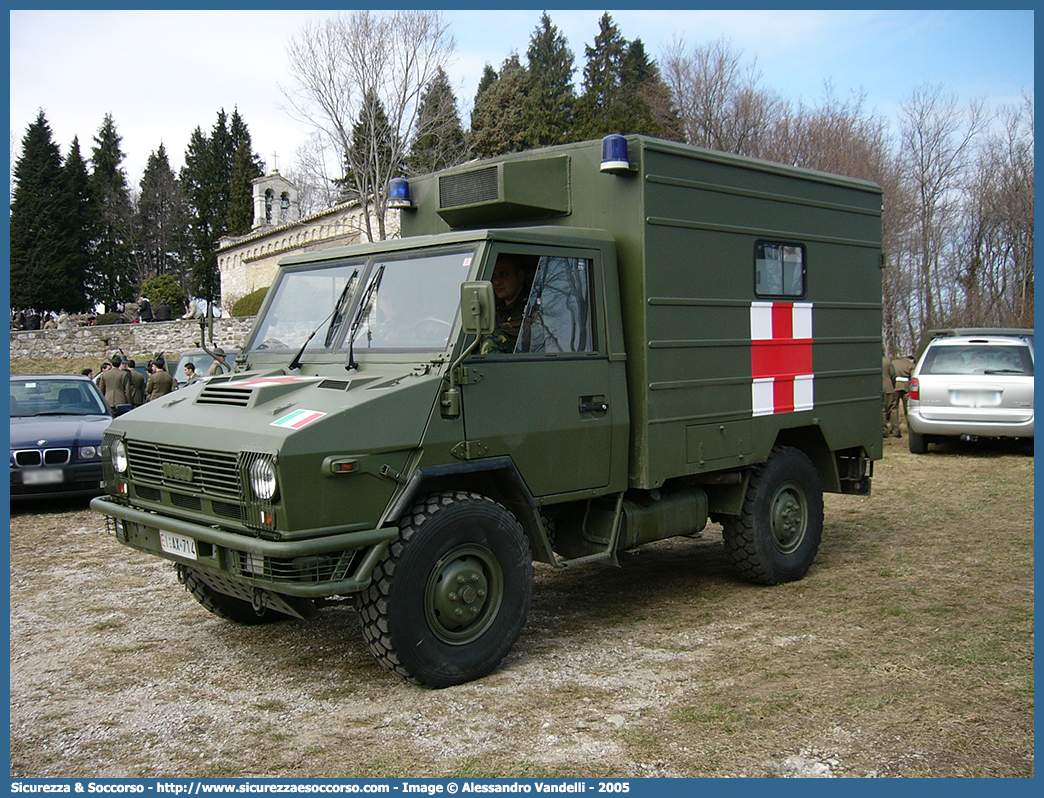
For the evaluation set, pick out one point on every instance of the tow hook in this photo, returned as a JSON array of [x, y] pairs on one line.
[[257, 601]]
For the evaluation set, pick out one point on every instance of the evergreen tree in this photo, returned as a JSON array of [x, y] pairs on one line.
[[201, 186], [550, 97], [651, 110], [498, 121], [216, 181], [111, 278], [440, 139], [162, 222], [43, 254], [371, 154], [244, 167], [489, 77], [81, 221], [601, 108]]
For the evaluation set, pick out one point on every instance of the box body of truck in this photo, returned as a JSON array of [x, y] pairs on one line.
[[700, 341]]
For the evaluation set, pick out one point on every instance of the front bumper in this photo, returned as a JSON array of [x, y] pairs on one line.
[[313, 568], [77, 479]]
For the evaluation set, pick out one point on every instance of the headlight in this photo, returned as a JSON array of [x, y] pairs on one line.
[[119, 457], [89, 452], [262, 479]]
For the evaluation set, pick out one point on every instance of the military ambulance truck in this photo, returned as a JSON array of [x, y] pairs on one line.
[[700, 342]]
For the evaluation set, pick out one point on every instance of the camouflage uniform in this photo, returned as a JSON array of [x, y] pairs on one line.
[[509, 322]]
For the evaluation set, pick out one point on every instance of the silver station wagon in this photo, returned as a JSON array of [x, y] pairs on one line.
[[970, 384]]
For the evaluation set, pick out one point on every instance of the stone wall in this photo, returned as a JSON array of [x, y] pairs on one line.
[[139, 341]]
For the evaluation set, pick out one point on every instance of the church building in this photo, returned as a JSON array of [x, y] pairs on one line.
[[249, 262]]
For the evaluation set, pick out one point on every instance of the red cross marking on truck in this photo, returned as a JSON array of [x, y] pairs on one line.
[[781, 357]]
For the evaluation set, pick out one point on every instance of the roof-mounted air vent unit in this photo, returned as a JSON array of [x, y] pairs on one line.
[[503, 192]]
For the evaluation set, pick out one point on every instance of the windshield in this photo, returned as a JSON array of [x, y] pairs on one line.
[[56, 397], [415, 304], [304, 299], [411, 301]]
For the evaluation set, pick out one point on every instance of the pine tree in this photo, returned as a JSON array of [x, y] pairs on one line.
[[43, 254], [550, 96], [201, 185], [112, 267], [216, 176], [440, 139], [241, 190], [601, 110], [162, 222], [498, 121], [371, 153], [649, 108], [489, 77], [244, 168], [81, 222]]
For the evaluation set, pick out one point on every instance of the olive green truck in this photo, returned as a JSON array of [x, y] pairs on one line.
[[700, 341]]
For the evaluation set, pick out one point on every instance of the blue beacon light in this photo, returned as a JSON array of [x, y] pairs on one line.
[[399, 193], [614, 154]]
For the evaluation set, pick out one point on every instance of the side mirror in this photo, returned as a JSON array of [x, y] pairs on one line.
[[477, 307]]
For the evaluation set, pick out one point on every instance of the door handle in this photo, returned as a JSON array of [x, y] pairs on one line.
[[594, 407]]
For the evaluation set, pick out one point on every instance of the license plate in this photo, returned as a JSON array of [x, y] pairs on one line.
[[971, 398], [45, 476], [178, 544]]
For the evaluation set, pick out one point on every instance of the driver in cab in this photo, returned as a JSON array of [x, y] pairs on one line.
[[509, 280]]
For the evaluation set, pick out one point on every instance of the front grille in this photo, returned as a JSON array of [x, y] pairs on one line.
[[186, 502], [147, 493], [330, 567], [212, 473], [469, 188], [30, 458], [228, 510], [224, 395]]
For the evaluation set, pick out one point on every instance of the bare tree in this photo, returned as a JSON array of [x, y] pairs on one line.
[[311, 173], [343, 60], [937, 142], [995, 244], [719, 102]]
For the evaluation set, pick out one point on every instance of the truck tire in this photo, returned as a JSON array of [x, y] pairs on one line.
[[228, 607], [450, 596], [776, 536], [918, 443]]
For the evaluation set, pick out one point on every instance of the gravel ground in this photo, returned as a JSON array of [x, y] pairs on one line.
[[669, 666]]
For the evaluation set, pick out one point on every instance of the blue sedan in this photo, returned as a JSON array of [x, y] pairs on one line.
[[57, 422]]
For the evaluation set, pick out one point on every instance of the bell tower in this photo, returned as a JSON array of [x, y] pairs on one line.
[[275, 201]]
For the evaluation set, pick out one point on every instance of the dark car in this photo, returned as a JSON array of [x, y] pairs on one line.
[[57, 421]]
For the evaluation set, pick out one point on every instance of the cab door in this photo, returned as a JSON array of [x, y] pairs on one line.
[[547, 403]]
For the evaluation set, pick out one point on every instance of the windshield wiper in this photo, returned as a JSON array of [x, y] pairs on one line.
[[361, 313], [335, 315]]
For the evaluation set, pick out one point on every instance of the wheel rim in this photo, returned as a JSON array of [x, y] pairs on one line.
[[464, 594], [789, 517]]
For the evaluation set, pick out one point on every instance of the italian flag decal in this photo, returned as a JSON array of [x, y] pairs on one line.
[[298, 419], [781, 357]]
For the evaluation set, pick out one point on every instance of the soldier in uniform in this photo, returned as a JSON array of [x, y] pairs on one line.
[[509, 280], [115, 384], [219, 366], [889, 429], [160, 382], [903, 368], [137, 384]]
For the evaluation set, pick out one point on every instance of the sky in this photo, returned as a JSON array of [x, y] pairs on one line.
[[161, 74]]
